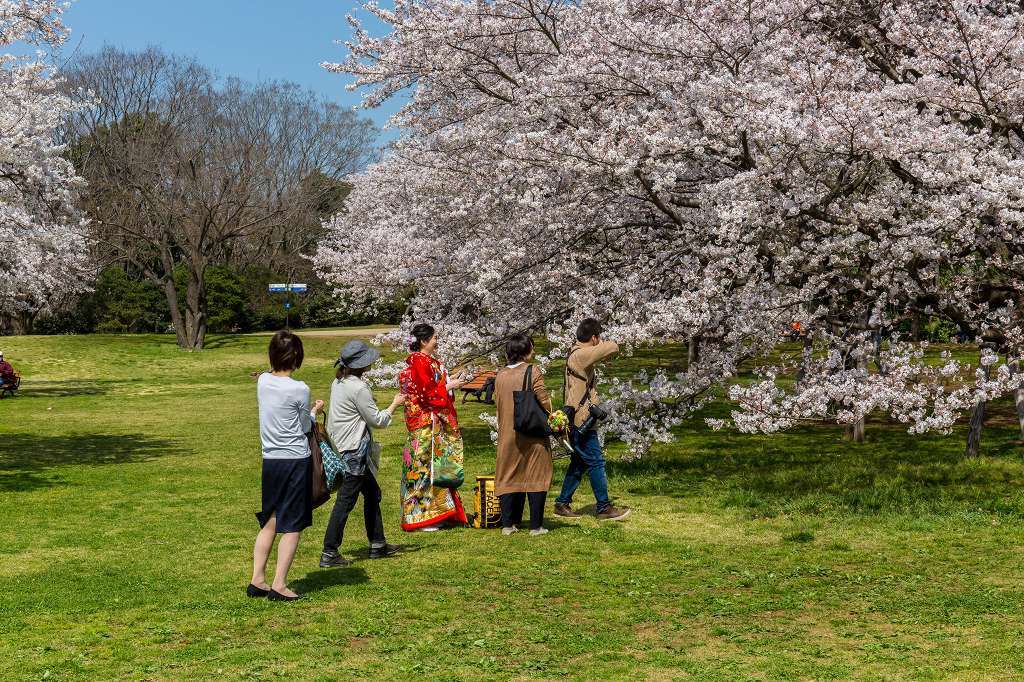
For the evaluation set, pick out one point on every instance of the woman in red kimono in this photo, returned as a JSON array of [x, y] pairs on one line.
[[433, 455]]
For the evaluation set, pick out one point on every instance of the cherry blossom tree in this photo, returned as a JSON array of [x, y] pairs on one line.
[[705, 172], [42, 243]]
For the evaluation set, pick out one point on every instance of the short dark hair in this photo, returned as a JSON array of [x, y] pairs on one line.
[[588, 329], [285, 351], [421, 333], [350, 372], [517, 348]]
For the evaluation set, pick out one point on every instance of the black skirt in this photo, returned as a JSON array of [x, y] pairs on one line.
[[287, 492]]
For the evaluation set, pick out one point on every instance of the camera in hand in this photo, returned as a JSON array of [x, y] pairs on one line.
[[597, 415]]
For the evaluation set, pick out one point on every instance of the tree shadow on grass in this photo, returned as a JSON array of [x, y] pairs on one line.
[[63, 389], [223, 341], [28, 461]]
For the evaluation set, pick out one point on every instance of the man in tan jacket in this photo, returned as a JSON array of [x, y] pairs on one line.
[[580, 393]]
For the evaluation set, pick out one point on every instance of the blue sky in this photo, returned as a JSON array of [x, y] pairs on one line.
[[253, 39]]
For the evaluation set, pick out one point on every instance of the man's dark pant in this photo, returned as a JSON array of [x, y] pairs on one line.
[[346, 502], [512, 505], [587, 458]]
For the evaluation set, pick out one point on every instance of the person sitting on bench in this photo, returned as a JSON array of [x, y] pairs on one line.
[[488, 390], [6, 372]]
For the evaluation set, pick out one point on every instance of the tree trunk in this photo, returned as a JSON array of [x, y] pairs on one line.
[[855, 431], [976, 422], [24, 322], [692, 352], [1018, 397], [915, 327], [195, 308], [164, 278], [974, 430], [171, 294], [805, 360]]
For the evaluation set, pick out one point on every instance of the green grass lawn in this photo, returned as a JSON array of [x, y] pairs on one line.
[[129, 475]]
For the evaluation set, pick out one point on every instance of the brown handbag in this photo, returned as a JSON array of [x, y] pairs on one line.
[[320, 493]]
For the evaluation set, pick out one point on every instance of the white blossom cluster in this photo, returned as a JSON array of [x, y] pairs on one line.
[[925, 396], [709, 170], [42, 234]]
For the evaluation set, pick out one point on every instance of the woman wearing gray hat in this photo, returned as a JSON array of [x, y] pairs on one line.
[[351, 418]]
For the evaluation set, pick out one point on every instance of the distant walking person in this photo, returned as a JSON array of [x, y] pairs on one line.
[[523, 469], [587, 457], [351, 418], [434, 437], [285, 419]]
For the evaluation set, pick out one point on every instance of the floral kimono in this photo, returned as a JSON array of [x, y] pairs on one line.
[[434, 448]]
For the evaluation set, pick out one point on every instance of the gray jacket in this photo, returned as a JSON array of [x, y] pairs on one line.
[[352, 414]]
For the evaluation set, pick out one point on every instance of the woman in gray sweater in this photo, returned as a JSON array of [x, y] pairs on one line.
[[351, 418], [287, 506]]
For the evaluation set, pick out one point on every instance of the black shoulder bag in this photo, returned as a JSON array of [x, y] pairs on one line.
[[529, 416]]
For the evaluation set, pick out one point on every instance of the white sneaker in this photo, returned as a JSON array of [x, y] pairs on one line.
[[509, 530], [539, 531], [429, 529]]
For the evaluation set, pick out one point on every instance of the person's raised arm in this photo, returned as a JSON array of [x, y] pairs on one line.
[[588, 356], [368, 410]]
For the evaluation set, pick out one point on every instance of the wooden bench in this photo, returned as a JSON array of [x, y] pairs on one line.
[[10, 388], [475, 387]]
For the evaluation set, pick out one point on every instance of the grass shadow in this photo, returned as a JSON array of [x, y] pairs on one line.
[[25, 456], [63, 389], [364, 554], [330, 577], [223, 341]]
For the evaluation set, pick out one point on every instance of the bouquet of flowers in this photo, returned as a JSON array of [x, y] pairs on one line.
[[558, 422]]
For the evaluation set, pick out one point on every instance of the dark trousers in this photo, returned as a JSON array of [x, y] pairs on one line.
[[512, 505], [346, 502]]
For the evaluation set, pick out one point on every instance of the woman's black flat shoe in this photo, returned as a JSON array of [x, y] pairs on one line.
[[256, 592], [274, 595]]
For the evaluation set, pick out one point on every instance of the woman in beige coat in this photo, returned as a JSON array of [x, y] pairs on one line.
[[524, 463]]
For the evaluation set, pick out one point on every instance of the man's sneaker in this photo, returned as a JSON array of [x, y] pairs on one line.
[[333, 561], [565, 510], [539, 531], [613, 513], [509, 530], [385, 551]]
